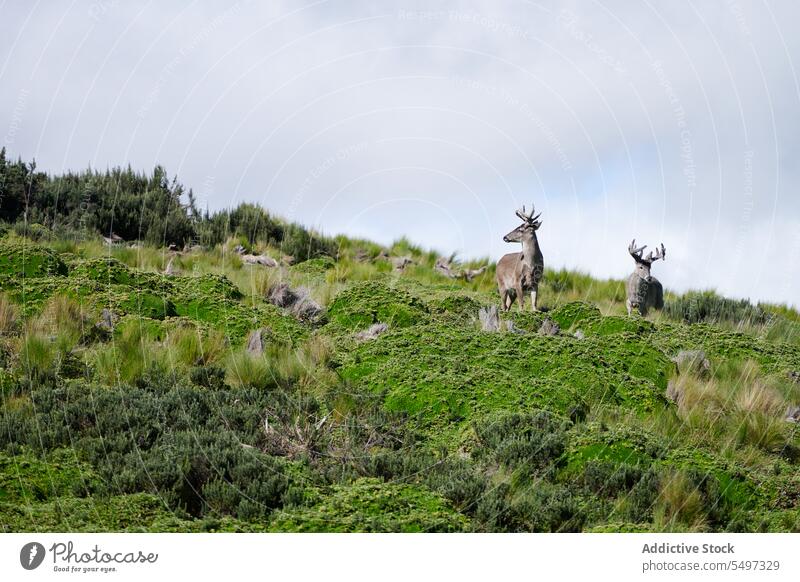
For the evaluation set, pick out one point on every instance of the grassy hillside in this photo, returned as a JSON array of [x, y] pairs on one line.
[[215, 398]]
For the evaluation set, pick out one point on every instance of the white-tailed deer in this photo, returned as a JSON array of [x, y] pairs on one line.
[[644, 291], [518, 273]]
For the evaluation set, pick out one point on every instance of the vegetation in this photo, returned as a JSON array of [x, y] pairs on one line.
[[133, 400], [136, 207]]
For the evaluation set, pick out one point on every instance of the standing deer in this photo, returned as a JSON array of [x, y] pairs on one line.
[[518, 273], [644, 290]]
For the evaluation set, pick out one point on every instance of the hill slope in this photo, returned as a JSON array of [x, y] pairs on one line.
[[237, 397]]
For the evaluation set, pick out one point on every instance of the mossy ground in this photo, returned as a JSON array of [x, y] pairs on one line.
[[434, 425]]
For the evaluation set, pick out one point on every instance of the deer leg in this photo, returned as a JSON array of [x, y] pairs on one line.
[[628, 305], [534, 293], [521, 299]]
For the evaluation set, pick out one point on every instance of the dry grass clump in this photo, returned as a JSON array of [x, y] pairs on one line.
[[190, 346], [9, 315], [738, 405], [64, 319], [282, 365], [679, 504], [130, 356]]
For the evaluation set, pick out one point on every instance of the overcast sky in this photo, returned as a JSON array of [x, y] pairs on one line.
[[665, 121]]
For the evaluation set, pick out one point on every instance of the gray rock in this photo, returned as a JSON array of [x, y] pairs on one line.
[[489, 318], [107, 320], [170, 269], [400, 263], [372, 332], [511, 328], [470, 274], [262, 260], [579, 334], [549, 327], [282, 295], [297, 301], [793, 414], [444, 266], [306, 308], [255, 341]]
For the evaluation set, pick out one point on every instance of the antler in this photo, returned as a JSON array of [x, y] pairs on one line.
[[636, 253], [660, 254], [528, 217]]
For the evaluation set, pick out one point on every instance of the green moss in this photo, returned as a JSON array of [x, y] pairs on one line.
[[149, 305], [736, 485], [781, 521], [621, 527], [616, 324], [370, 302], [573, 313], [618, 444], [104, 270], [617, 453], [20, 258], [32, 294], [527, 321], [444, 374], [370, 505], [316, 266], [721, 345], [139, 512], [25, 478], [208, 285], [456, 307]]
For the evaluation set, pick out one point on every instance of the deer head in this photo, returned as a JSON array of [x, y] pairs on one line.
[[530, 224], [643, 263]]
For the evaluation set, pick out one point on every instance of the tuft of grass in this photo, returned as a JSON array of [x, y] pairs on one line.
[[64, 319], [129, 357], [190, 346], [245, 370], [9, 315], [738, 406], [38, 357], [679, 503]]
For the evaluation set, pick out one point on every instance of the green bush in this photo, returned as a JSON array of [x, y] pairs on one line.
[[707, 306], [369, 505]]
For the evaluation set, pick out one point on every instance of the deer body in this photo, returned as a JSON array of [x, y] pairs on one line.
[[643, 290], [520, 273], [644, 295]]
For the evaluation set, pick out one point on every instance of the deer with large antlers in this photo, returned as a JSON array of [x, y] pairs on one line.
[[644, 291], [520, 273]]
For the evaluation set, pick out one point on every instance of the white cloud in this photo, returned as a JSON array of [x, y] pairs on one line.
[[674, 122]]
